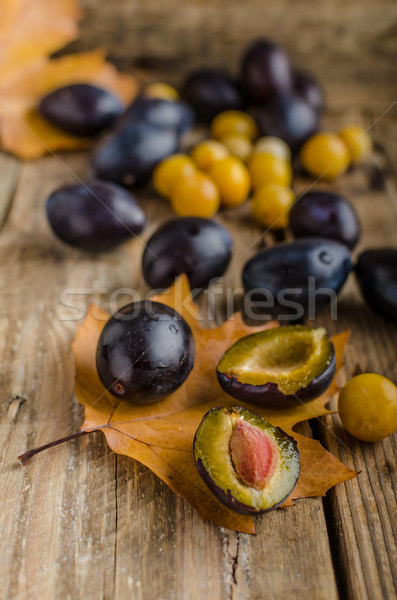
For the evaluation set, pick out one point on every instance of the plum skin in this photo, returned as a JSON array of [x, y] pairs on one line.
[[129, 156], [289, 117], [161, 113], [269, 394], [95, 216], [210, 92], [200, 248], [288, 266], [145, 352], [81, 109], [307, 87], [265, 70], [325, 214], [376, 273]]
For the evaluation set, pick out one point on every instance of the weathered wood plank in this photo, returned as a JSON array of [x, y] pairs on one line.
[[351, 46], [94, 523], [363, 512], [80, 522], [50, 531], [9, 169]]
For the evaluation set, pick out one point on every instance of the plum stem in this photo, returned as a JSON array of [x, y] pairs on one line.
[[25, 458]]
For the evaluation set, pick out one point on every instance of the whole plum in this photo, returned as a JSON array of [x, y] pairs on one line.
[[210, 92], [94, 216], [289, 117], [297, 278], [265, 71], [200, 248], [129, 156], [307, 87], [145, 352], [80, 109], [161, 113], [324, 214], [376, 272]]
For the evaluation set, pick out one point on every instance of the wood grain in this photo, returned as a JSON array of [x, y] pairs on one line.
[[362, 514], [351, 47], [9, 169], [80, 522]]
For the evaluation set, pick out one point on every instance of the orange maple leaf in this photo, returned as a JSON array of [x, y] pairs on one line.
[[29, 32], [160, 436]]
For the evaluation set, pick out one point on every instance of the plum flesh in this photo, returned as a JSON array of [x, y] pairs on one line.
[[248, 464], [278, 367]]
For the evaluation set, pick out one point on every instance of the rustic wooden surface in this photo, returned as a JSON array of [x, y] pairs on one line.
[[80, 522]]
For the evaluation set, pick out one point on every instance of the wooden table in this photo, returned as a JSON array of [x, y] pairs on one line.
[[81, 522]]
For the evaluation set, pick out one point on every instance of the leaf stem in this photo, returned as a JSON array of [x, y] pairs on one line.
[[25, 458]]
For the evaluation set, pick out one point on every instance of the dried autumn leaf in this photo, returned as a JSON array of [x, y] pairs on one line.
[[30, 31], [26, 74], [160, 436]]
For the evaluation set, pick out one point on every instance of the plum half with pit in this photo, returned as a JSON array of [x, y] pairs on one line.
[[145, 352], [278, 367], [248, 464]]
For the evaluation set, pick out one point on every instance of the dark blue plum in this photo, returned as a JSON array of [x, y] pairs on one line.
[[161, 113], [200, 248], [298, 278], [210, 92], [376, 272], [80, 109], [288, 117], [95, 216], [145, 352], [130, 155], [265, 71], [324, 214], [306, 86]]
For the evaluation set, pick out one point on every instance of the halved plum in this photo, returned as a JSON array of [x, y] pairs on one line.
[[248, 464], [280, 366]]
